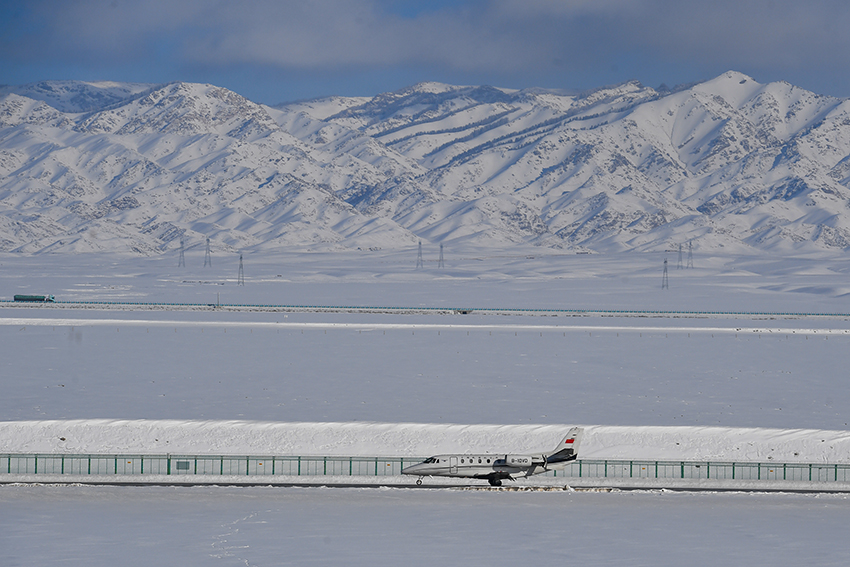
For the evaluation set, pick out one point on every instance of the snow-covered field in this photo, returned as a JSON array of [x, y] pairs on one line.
[[272, 382]]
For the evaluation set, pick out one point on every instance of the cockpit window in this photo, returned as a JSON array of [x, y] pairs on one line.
[[429, 460]]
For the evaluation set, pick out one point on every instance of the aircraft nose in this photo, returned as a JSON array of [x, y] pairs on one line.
[[412, 469]]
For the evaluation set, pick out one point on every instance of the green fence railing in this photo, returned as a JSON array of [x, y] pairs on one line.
[[201, 465], [99, 464]]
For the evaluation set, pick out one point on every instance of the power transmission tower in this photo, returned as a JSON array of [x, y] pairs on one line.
[[181, 262], [208, 257], [690, 255], [679, 263], [240, 280], [419, 262], [441, 263], [665, 284]]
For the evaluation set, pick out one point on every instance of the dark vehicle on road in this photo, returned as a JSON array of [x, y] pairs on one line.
[[36, 298]]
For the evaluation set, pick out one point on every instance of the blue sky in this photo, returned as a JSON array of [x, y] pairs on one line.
[[279, 50]]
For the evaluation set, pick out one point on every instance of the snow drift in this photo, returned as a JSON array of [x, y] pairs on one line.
[[418, 440]]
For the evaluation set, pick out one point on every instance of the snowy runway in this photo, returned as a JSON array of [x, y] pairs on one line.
[[280, 526]]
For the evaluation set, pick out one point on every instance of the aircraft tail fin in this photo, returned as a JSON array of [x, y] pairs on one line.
[[567, 449]]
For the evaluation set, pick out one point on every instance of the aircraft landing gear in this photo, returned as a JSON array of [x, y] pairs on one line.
[[495, 481], [419, 481]]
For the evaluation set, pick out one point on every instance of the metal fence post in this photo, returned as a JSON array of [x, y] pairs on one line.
[[36, 466], [168, 464]]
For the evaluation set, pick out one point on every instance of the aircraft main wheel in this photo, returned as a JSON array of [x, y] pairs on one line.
[[495, 482]]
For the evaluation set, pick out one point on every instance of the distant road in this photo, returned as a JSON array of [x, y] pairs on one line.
[[389, 310]]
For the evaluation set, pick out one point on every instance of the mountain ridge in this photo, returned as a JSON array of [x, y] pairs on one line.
[[725, 164]]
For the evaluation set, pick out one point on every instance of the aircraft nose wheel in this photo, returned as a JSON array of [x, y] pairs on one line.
[[419, 481]]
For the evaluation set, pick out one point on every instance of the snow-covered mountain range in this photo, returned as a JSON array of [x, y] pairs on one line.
[[724, 164]]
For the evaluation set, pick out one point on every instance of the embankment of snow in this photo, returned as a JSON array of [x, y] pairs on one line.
[[418, 439]]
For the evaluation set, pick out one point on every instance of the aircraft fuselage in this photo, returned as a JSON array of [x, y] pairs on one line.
[[469, 466], [496, 467]]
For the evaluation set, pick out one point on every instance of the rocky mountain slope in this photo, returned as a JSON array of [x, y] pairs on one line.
[[725, 164]]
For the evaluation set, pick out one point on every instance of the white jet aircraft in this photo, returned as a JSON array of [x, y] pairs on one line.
[[494, 468]]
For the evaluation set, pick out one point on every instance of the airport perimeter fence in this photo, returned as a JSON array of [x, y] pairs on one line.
[[247, 466]]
